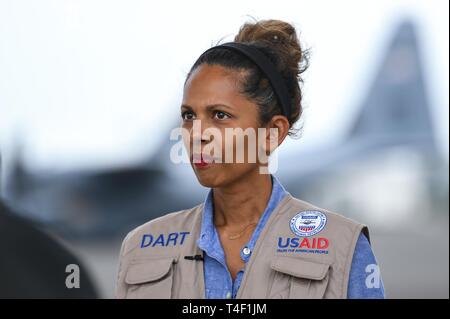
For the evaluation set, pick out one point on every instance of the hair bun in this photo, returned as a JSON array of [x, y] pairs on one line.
[[280, 37]]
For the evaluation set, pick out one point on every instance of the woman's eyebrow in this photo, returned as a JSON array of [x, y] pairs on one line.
[[208, 107], [212, 106], [185, 106]]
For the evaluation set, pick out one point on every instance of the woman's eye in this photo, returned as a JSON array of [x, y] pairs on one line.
[[221, 115], [187, 116]]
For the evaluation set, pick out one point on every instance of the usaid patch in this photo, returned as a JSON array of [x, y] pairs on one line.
[[308, 223]]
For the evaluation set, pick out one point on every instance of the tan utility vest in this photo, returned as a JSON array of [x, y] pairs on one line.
[[282, 264]]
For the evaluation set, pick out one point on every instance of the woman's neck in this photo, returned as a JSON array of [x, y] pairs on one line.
[[242, 202]]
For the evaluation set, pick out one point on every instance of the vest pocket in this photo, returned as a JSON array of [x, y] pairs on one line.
[[150, 279], [296, 278]]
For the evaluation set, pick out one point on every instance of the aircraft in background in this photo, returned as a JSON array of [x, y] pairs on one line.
[[388, 166]]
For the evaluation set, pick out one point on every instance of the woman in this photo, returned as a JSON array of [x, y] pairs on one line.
[[250, 238]]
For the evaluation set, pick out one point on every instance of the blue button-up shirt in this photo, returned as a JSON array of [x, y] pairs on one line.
[[218, 281]]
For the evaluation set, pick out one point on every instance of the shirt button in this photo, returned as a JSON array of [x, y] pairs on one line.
[[228, 295], [246, 251]]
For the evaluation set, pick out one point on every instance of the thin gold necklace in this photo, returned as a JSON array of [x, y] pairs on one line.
[[239, 235]]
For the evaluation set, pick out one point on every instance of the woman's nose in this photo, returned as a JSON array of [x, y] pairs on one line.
[[199, 131]]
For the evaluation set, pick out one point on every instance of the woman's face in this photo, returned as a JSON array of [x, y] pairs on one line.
[[212, 99]]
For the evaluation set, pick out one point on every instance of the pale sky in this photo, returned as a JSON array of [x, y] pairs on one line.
[[89, 84]]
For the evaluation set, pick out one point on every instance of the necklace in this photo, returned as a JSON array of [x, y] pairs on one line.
[[239, 235]]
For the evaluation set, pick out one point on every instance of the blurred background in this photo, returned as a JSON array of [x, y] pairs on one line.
[[89, 91]]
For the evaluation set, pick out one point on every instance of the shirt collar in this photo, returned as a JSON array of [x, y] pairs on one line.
[[209, 240]]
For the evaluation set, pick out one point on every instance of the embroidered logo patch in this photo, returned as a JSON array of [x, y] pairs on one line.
[[308, 223]]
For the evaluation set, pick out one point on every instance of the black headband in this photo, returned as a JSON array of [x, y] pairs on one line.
[[267, 67]]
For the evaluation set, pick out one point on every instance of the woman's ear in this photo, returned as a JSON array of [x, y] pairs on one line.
[[279, 125]]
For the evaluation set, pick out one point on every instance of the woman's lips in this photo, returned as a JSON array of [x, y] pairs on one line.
[[202, 160]]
